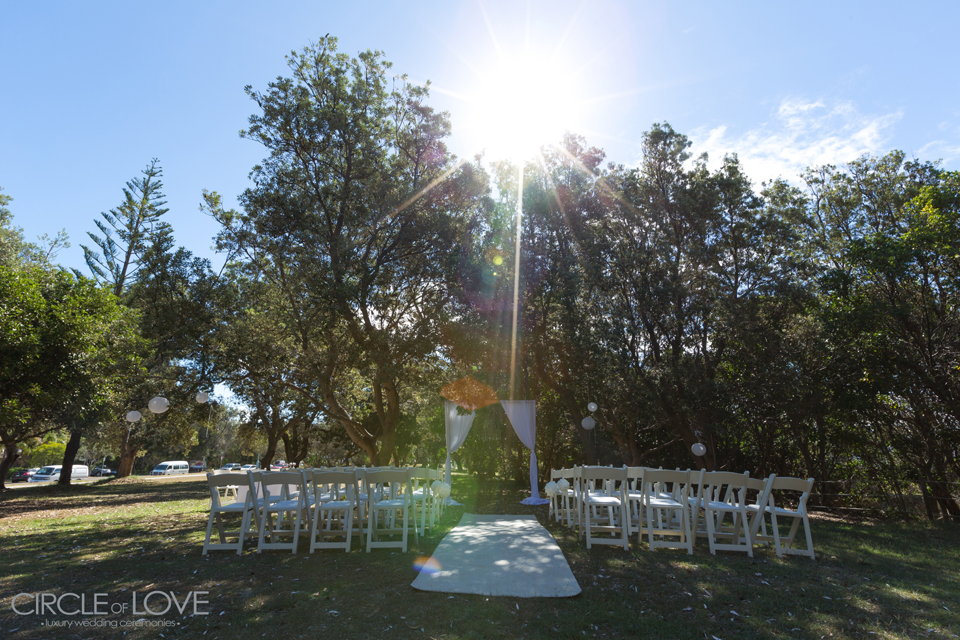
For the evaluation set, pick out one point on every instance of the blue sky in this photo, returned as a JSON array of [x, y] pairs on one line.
[[93, 90]]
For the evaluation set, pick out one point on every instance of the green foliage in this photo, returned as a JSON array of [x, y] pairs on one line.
[[127, 231], [66, 347], [49, 453], [353, 221]]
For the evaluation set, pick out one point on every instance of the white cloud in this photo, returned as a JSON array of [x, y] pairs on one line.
[[939, 150], [800, 134]]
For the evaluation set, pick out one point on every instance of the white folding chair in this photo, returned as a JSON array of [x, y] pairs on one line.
[[390, 500], [725, 495], [554, 510], [774, 511], [334, 509], [277, 485], [609, 495], [244, 506], [666, 511], [569, 496], [423, 497], [635, 499]]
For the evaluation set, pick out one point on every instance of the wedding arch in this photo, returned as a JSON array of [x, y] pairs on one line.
[[473, 395]]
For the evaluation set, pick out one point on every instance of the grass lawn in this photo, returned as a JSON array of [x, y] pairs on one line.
[[871, 579]]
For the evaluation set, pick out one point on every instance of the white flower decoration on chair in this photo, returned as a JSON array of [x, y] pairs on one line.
[[563, 485], [551, 489]]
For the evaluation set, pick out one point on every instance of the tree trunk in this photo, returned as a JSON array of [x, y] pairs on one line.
[[69, 455], [944, 501], [267, 459], [589, 447], [10, 455], [128, 455], [927, 500]]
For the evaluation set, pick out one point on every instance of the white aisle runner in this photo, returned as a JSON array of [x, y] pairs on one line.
[[498, 555]]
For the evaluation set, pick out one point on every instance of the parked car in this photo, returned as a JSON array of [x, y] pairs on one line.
[[230, 466], [51, 472], [170, 468], [23, 475], [197, 467], [102, 472], [249, 467], [279, 465]]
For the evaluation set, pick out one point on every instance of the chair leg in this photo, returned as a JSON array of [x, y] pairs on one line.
[[244, 526], [806, 529], [793, 532], [776, 534], [348, 530], [711, 532]]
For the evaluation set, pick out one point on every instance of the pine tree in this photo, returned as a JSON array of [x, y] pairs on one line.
[[127, 231]]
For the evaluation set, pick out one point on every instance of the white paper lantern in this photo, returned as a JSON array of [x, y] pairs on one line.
[[592, 406], [551, 489], [133, 416], [158, 404], [588, 423], [563, 485], [202, 397], [698, 449]]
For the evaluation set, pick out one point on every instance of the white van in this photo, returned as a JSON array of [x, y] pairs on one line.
[[171, 468], [51, 473]]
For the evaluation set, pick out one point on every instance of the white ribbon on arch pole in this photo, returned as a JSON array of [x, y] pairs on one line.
[[457, 428], [523, 417]]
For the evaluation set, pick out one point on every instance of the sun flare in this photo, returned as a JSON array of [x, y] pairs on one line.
[[520, 105]]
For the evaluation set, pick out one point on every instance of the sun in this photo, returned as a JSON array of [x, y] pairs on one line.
[[520, 104]]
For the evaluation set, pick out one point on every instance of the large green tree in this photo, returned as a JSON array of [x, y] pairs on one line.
[[354, 217], [65, 350]]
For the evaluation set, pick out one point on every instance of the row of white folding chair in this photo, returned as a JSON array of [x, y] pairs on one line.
[[371, 497], [286, 504], [667, 504]]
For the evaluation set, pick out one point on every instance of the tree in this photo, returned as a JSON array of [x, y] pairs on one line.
[[15, 252], [691, 254], [127, 231], [176, 296], [354, 217], [64, 348], [48, 453], [887, 229]]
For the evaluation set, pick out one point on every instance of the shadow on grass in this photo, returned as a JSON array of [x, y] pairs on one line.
[[892, 579]]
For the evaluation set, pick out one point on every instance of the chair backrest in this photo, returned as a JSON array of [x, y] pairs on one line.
[[757, 490], [635, 477], [215, 481], [724, 486], [387, 483], [277, 484], [341, 485], [695, 493], [611, 479], [420, 476], [795, 485], [657, 482], [419, 473]]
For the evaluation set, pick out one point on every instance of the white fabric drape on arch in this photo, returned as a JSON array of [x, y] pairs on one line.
[[457, 428], [523, 417]]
